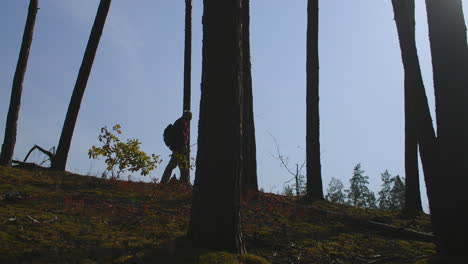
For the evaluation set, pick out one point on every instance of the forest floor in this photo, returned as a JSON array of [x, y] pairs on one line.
[[56, 217]]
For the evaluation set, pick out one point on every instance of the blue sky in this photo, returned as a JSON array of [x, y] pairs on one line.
[[137, 80]]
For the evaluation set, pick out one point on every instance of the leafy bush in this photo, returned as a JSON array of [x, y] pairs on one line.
[[122, 156]]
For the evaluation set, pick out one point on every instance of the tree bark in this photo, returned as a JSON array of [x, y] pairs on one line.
[[185, 178], [249, 174], [215, 215], [447, 35], [314, 174], [404, 18], [9, 141], [63, 148], [427, 141]]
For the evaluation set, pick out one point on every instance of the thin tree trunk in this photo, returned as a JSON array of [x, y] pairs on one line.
[[63, 148], [428, 147], [427, 142], [8, 146], [215, 215], [298, 189], [447, 35], [185, 177], [249, 173], [314, 174], [404, 17]]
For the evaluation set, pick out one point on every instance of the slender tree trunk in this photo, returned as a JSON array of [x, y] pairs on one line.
[[447, 35], [298, 189], [427, 142], [404, 18], [9, 141], [185, 177], [314, 174], [215, 216], [249, 174], [63, 148]]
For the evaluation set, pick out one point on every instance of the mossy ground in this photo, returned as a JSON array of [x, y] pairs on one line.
[[68, 218]]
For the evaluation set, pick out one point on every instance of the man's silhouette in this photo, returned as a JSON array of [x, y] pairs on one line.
[[180, 149]]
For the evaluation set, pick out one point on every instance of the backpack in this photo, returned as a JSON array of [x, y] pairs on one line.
[[169, 136]]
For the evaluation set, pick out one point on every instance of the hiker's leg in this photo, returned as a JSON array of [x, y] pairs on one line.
[[184, 174], [184, 166], [168, 171]]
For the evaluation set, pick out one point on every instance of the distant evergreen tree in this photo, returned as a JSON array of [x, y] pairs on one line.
[[335, 191], [359, 194], [397, 194], [385, 192], [370, 200], [392, 194], [288, 190]]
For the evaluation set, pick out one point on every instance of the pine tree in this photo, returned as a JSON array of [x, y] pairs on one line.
[[384, 193], [60, 161], [397, 194], [359, 194], [314, 172], [449, 52], [335, 192], [249, 152], [215, 214], [185, 174], [9, 141], [416, 108]]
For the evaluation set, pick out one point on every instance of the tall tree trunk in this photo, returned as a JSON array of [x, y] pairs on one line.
[[404, 10], [249, 168], [447, 35], [427, 141], [185, 178], [9, 141], [215, 215], [63, 148], [314, 173]]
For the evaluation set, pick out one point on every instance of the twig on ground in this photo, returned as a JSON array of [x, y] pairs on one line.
[[51, 220], [34, 220]]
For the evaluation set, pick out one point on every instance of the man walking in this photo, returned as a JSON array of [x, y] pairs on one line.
[[177, 139]]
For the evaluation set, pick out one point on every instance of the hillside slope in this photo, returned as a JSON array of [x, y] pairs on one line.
[[53, 217]]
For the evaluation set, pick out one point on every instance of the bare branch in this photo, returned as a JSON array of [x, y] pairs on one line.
[[48, 153], [280, 157], [34, 220], [51, 220]]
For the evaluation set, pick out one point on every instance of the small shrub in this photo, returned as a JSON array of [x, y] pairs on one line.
[[122, 156]]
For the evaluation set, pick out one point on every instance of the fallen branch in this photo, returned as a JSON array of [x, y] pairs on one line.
[[30, 165], [34, 220], [409, 233], [48, 153], [51, 220], [27, 165], [405, 232]]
